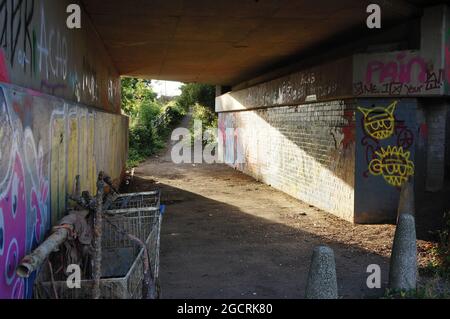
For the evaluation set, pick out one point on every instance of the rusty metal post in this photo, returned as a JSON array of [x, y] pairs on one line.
[[33, 261], [97, 266], [77, 187]]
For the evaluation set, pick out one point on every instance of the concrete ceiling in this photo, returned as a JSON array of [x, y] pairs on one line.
[[225, 41]]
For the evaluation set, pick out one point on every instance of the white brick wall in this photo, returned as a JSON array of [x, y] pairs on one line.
[[307, 151]]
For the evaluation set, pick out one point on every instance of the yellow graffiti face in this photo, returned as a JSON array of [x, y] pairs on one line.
[[379, 122], [394, 164]]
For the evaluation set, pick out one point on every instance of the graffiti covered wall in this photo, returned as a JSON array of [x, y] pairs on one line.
[[397, 74], [349, 158], [408, 73], [399, 92], [44, 143], [386, 137], [59, 118], [39, 52], [306, 151], [329, 81]]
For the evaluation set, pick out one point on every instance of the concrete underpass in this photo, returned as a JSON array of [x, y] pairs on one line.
[[331, 119], [227, 236]]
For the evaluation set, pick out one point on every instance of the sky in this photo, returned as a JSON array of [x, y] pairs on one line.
[[167, 88]]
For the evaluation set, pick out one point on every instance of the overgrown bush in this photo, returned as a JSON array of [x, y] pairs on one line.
[[195, 93], [174, 113], [200, 99], [440, 254], [209, 121], [150, 120]]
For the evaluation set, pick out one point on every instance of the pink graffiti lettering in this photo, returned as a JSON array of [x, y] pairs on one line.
[[396, 71]]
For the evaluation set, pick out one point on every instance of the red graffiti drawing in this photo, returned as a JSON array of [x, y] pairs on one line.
[[405, 139], [424, 130], [447, 62], [348, 130], [4, 76]]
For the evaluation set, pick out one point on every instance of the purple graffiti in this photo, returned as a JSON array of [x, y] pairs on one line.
[[13, 223], [24, 196]]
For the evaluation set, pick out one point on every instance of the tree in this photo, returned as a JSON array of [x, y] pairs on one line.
[[150, 119], [195, 93], [135, 94]]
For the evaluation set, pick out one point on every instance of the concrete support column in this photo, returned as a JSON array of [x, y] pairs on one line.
[[433, 36], [436, 117], [220, 90]]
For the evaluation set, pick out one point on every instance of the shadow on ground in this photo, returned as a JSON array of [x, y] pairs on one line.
[[211, 249]]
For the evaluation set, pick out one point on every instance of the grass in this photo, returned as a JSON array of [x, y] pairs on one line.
[[432, 288], [439, 255]]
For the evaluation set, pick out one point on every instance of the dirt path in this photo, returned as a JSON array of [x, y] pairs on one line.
[[224, 235]]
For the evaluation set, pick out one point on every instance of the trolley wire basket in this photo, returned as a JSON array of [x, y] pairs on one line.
[[137, 214]]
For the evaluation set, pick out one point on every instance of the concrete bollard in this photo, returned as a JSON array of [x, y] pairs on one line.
[[403, 264], [406, 203], [322, 280]]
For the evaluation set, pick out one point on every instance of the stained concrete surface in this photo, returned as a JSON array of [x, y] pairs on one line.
[[225, 235], [225, 41]]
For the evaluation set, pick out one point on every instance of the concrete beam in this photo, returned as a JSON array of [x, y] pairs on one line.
[[227, 42], [424, 72], [328, 81]]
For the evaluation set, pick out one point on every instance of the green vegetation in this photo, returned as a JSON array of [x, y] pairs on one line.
[[208, 119], [434, 272], [194, 93], [439, 263], [150, 120], [200, 99], [429, 291]]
